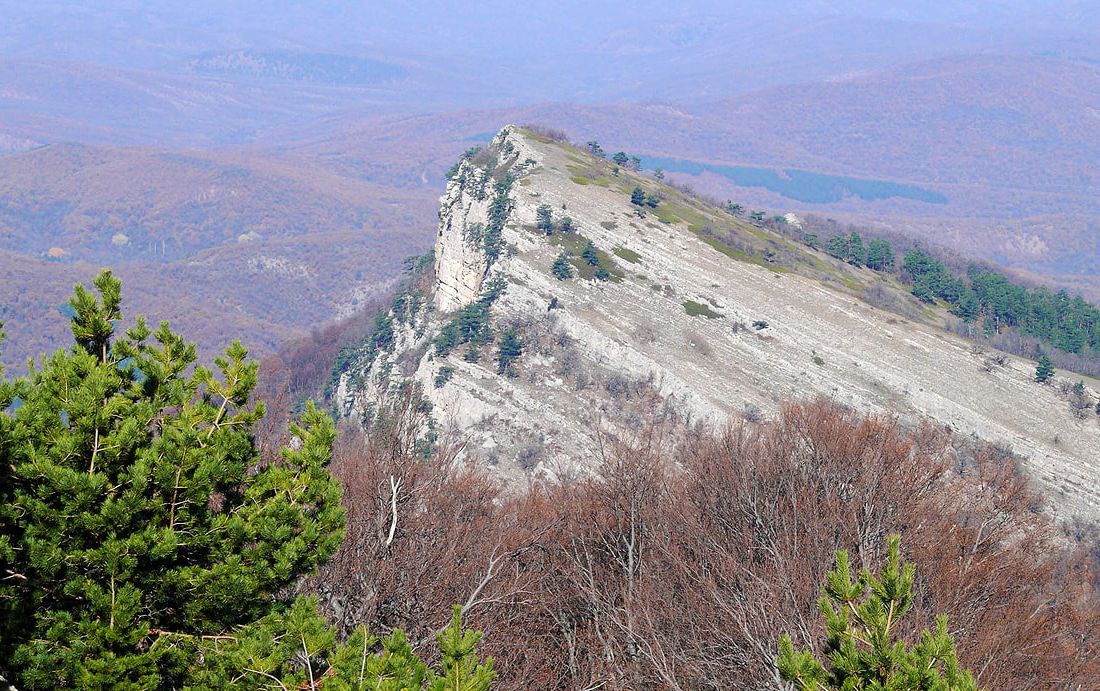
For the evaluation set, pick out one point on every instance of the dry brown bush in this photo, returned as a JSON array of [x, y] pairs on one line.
[[681, 560]]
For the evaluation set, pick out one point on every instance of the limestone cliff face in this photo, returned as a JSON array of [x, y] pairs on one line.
[[464, 214], [684, 327], [460, 260]]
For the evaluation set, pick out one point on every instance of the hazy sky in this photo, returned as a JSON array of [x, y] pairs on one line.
[[124, 71], [123, 32]]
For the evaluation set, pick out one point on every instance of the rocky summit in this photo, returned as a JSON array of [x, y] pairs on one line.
[[575, 300]]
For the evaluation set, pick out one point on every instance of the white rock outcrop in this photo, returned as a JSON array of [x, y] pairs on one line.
[[673, 331], [460, 260]]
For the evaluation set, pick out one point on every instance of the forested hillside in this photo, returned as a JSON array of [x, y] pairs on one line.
[[230, 243], [990, 306]]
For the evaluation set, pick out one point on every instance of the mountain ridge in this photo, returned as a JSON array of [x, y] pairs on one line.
[[702, 329]]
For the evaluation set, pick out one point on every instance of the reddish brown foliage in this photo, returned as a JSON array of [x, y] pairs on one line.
[[422, 534], [679, 567]]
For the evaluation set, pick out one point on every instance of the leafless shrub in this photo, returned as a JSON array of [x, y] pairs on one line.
[[684, 187], [562, 339], [531, 452], [881, 295], [993, 362], [554, 135], [409, 359], [582, 381], [569, 362], [752, 413], [617, 386], [683, 557], [1080, 402], [484, 157], [1012, 341]]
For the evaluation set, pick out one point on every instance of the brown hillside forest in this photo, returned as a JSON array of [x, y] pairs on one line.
[[681, 561]]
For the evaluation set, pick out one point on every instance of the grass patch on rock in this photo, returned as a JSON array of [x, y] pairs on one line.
[[588, 176], [627, 254], [673, 212], [698, 309]]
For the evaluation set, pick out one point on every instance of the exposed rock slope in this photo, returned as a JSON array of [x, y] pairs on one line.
[[680, 324]]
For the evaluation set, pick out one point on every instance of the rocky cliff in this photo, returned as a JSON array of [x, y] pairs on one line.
[[677, 309]]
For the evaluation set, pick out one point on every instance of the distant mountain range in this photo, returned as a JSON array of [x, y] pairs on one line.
[[320, 68]]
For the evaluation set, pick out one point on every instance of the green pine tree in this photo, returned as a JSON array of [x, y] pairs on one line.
[[590, 255], [857, 255], [293, 648], [447, 339], [837, 246], [137, 518], [544, 219], [923, 290], [462, 670], [472, 354], [861, 618], [561, 268], [508, 350], [880, 255], [637, 197], [1044, 370], [143, 544]]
